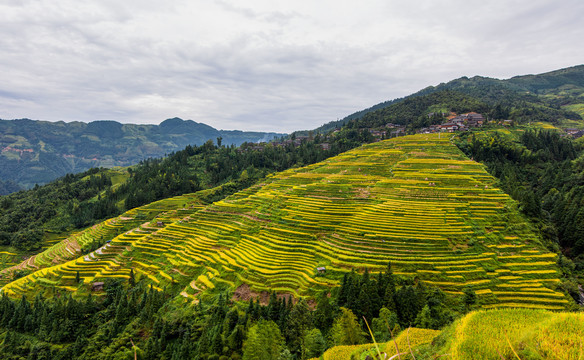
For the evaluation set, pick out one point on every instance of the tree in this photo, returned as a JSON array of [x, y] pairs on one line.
[[132, 279], [323, 316], [390, 290], [299, 322], [469, 297], [424, 318], [314, 344], [382, 325], [346, 329], [264, 342]]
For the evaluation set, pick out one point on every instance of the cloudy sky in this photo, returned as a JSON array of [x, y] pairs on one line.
[[263, 65]]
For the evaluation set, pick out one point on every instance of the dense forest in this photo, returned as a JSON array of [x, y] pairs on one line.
[[545, 173], [133, 318]]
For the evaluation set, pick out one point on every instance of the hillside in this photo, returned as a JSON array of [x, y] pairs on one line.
[[494, 334], [416, 201], [73, 202], [36, 152], [553, 96]]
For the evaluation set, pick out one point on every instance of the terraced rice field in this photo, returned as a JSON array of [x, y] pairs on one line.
[[132, 224], [416, 201]]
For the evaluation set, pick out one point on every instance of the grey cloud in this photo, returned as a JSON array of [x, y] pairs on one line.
[[279, 69]]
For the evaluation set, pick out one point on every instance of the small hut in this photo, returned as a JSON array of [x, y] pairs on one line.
[[97, 286], [321, 270]]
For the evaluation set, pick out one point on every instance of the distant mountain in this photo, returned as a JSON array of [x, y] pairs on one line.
[[36, 152]]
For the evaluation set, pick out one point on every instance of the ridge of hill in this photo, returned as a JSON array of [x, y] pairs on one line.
[[559, 92], [36, 152], [416, 201]]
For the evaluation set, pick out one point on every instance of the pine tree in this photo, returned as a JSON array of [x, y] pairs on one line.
[[346, 329], [299, 321], [342, 297], [273, 308], [132, 279], [323, 316]]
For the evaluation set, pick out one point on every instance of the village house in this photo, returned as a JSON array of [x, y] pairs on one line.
[[97, 286], [472, 119], [377, 133], [572, 131], [391, 125], [449, 127], [398, 132]]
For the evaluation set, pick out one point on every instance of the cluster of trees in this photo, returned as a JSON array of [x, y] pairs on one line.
[[66, 328], [56, 206], [544, 172], [134, 318], [381, 301]]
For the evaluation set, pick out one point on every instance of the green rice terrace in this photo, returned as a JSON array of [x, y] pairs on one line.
[[416, 201]]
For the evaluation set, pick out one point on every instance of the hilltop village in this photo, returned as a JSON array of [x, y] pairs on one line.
[[452, 123]]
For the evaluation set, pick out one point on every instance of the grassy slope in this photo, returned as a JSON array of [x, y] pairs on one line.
[[486, 335], [415, 201]]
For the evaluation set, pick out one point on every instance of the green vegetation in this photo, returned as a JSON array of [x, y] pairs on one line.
[[36, 152], [543, 171], [212, 254], [77, 201], [557, 97], [415, 201]]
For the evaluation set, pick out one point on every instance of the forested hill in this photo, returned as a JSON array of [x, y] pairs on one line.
[[36, 152], [558, 93]]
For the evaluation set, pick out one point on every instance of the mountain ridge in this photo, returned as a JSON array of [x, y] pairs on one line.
[[548, 81], [36, 151]]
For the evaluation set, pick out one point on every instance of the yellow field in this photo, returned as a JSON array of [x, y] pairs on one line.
[[486, 335]]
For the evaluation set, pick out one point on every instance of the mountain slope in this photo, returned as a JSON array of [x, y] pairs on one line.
[[36, 152], [560, 93], [416, 201]]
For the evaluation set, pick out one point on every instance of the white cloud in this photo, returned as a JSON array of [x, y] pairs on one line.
[[263, 65]]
